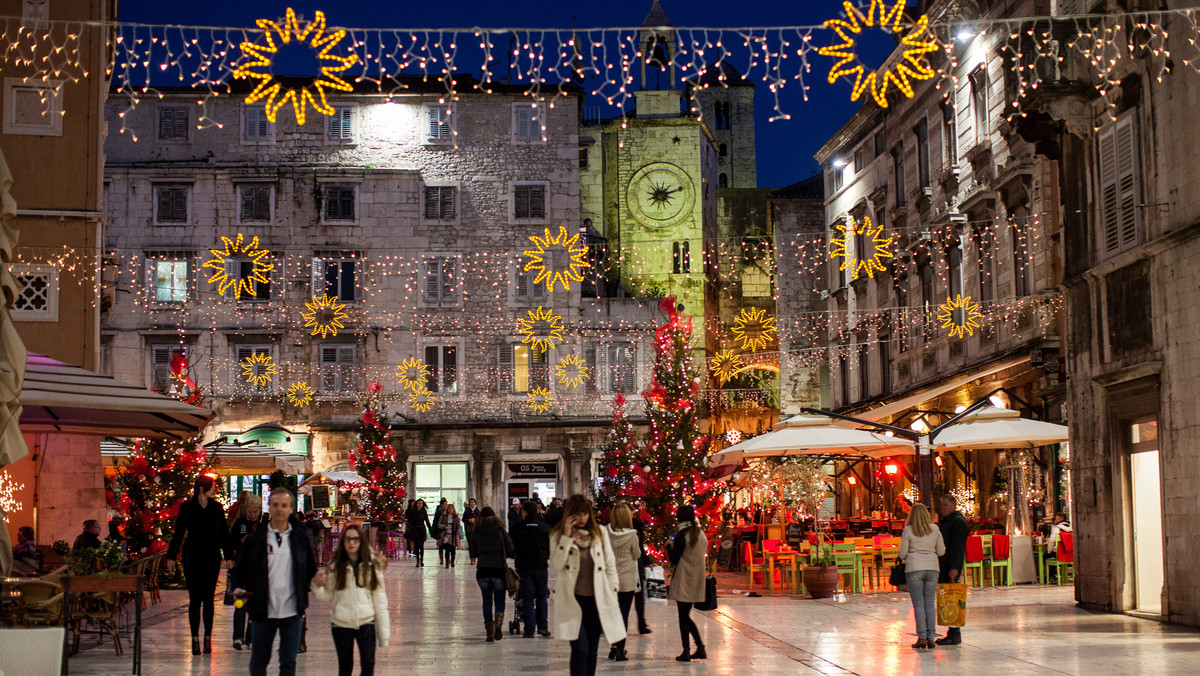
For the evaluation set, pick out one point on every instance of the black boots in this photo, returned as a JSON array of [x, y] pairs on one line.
[[498, 626], [490, 633], [195, 645], [698, 655]]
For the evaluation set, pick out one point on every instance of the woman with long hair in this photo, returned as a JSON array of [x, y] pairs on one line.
[[491, 547], [202, 534], [447, 527], [251, 520], [586, 596], [920, 546], [626, 551], [688, 549], [417, 530], [358, 608]]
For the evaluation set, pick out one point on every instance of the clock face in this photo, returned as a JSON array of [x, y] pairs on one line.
[[661, 195]]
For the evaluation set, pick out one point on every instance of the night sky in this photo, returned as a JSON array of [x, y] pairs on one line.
[[785, 147]]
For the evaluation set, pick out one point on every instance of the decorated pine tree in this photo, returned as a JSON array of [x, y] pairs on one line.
[[621, 457], [374, 458]]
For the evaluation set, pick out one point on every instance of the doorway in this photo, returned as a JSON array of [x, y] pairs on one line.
[[1145, 481]]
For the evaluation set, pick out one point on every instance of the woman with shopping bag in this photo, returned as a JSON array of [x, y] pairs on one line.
[[920, 546]]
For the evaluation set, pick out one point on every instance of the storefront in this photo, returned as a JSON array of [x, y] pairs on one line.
[[433, 477], [529, 474]]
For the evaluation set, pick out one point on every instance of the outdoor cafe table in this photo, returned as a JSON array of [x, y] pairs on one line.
[[781, 557]]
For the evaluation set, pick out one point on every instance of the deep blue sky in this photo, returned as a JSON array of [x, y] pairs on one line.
[[785, 147]]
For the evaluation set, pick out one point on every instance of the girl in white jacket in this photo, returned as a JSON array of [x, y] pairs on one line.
[[358, 606]]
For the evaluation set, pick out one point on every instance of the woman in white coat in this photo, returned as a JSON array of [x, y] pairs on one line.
[[358, 608], [585, 598]]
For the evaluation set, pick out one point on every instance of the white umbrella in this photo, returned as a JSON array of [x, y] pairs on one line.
[[992, 427], [812, 435]]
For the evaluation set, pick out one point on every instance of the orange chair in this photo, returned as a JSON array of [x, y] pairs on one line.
[[756, 565]]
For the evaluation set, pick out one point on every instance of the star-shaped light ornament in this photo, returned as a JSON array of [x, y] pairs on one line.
[[550, 252], [541, 329], [960, 315], [753, 329], [571, 371], [421, 400], [540, 399], [236, 250], [725, 365], [413, 374], [258, 369], [876, 247], [259, 62], [917, 41], [324, 315], [300, 394]]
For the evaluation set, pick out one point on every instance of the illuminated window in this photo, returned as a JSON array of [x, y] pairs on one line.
[[171, 204], [169, 279], [442, 361], [523, 368]]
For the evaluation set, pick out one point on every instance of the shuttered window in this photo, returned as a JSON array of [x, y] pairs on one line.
[[1117, 152], [243, 269], [242, 386], [254, 203], [160, 367], [523, 282], [616, 368], [442, 361], [439, 280], [523, 368], [339, 369], [255, 125], [341, 124], [339, 203], [529, 201], [173, 123], [440, 202], [438, 117], [336, 277], [528, 121], [171, 204]]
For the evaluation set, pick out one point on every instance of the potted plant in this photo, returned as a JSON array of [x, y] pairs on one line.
[[821, 576]]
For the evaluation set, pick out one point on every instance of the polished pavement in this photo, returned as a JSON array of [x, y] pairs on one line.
[[437, 629]]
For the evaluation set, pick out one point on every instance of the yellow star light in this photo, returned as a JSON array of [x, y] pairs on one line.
[[541, 328], [960, 315], [413, 374], [262, 56], [880, 248], [725, 365], [421, 400], [324, 315], [551, 248], [540, 399], [236, 250], [571, 371], [253, 375], [300, 394], [753, 329], [911, 66]]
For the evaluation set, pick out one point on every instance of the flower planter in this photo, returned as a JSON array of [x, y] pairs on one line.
[[821, 581]]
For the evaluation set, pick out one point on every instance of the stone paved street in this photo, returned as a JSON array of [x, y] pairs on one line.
[[437, 629]]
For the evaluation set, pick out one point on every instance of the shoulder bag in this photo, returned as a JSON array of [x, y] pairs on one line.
[[512, 581], [897, 578]]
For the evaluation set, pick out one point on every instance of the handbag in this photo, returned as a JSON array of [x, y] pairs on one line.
[[710, 594], [512, 581], [229, 587], [897, 577]]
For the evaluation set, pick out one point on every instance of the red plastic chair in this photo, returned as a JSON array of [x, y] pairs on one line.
[[1001, 559], [1066, 556], [1000, 546], [974, 559]]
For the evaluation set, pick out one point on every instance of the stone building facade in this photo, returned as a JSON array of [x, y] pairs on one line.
[[414, 210]]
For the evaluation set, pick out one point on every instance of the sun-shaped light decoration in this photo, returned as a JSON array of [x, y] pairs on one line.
[[960, 314], [251, 372], [725, 365], [869, 261], [263, 56], [237, 250], [413, 374], [911, 66], [571, 371], [324, 315], [300, 394], [541, 328], [540, 399], [551, 249], [753, 329], [421, 400]]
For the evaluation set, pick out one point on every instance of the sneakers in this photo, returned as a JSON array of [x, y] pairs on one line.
[[544, 633]]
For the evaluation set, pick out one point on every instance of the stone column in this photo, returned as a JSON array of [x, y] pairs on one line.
[[487, 454]]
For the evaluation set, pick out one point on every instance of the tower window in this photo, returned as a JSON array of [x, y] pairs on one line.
[[721, 115], [722, 181], [723, 150]]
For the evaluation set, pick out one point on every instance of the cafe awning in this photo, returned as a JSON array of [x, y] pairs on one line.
[[230, 458], [334, 477], [812, 435], [66, 399], [993, 427]]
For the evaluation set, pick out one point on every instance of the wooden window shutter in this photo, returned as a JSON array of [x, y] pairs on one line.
[[603, 376], [233, 270], [591, 358], [537, 201], [539, 367], [318, 278], [433, 279], [522, 202], [1127, 160], [504, 368], [447, 203], [432, 203], [629, 376], [449, 279]]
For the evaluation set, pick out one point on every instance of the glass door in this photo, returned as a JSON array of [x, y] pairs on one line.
[[1145, 473]]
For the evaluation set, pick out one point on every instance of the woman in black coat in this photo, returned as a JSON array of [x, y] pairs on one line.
[[417, 530], [202, 532]]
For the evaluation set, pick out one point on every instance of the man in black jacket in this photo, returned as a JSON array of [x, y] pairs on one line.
[[531, 549], [954, 533], [273, 573]]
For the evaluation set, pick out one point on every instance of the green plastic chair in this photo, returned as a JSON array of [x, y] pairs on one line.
[[1001, 560], [975, 559], [846, 560]]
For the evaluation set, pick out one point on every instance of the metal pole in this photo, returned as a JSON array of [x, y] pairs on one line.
[[925, 471]]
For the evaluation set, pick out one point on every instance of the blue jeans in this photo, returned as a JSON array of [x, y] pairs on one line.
[[264, 639], [493, 589], [922, 588], [535, 586]]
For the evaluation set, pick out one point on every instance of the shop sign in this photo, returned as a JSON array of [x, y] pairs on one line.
[[532, 470]]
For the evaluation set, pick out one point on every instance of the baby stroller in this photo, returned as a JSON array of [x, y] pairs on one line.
[[514, 627]]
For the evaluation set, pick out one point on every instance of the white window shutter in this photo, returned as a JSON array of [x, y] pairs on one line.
[[447, 203], [264, 125], [450, 279], [504, 368], [433, 279], [628, 383], [1126, 147], [603, 377], [318, 277], [233, 270]]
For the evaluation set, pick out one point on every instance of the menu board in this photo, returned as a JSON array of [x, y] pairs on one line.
[[795, 535], [320, 497]]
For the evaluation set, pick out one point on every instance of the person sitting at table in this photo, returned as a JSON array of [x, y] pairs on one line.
[[25, 555], [90, 537], [1060, 526]]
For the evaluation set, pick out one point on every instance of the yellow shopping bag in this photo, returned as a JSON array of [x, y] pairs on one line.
[[952, 604]]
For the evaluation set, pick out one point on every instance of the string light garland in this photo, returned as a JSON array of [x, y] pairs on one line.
[[960, 315], [324, 315], [270, 88], [541, 329], [553, 248], [540, 399], [859, 262], [725, 364], [258, 369], [571, 371], [300, 394], [753, 329], [912, 64], [9, 487], [413, 374], [234, 252]]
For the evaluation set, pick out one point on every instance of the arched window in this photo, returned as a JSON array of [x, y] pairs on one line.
[[681, 257], [722, 181], [723, 150], [721, 115]]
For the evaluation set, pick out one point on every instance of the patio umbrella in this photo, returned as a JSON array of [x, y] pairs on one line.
[[993, 427], [812, 435]]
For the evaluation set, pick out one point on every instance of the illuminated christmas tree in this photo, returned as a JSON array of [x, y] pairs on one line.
[[621, 457], [374, 458]]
